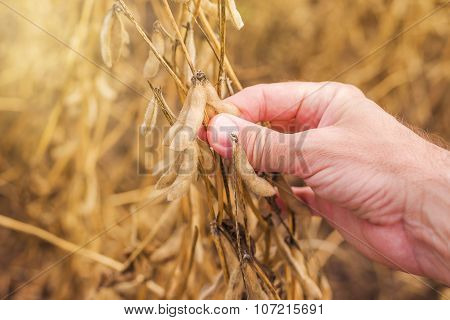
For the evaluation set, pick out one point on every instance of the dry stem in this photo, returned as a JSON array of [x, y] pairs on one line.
[[178, 33], [210, 33], [58, 242]]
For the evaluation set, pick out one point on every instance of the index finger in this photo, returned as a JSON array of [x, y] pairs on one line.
[[303, 103]]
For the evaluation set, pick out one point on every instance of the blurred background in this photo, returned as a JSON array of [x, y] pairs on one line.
[[69, 160]]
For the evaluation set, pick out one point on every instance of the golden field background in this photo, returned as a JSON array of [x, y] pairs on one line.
[[69, 130]]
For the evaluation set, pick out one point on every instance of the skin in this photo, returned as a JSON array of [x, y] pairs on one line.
[[385, 188]]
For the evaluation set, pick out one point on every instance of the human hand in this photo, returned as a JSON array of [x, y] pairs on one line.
[[382, 186]]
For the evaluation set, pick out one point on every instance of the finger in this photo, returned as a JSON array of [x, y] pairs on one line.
[[306, 196], [202, 134], [266, 149], [383, 243], [302, 102], [341, 219]]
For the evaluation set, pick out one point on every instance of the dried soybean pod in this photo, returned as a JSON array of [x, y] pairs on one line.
[[207, 157], [187, 172], [190, 45], [163, 165], [255, 289], [235, 15], [158, 38], [210, 111], [180, 120], [168, 249], [227, 107], [257, 185], [211, 94], [209, 8], [310, 288], [178, 189], [173, 130], [189, 163], [194, 118], [151, 66], [126, 37], [235, 285], [169, 177], [126, 44], [112, 37], [160, 167], [294, 204], [151, 114], [297, 262], [152, 63], [219, 105]]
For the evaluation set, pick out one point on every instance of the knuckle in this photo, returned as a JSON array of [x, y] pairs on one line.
[[253, 89], [351, 90]]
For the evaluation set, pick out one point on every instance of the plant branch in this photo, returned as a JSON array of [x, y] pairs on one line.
[[210, 33], [178, 33], [222, 36], [19, 226]]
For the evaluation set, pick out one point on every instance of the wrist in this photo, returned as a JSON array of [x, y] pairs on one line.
[[427, 218]]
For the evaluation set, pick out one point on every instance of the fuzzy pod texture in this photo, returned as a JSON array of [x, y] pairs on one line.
[[191, 49], [187, 173], [209, 7], [235, 15], [126, 44], [207, 157], [196, 103], [255, 289], [235, 285], [112, 37], [257, 185], [232, 13], [170, 135], [170, 175], [163, 165], [218, 104], [160, 167], [173, 130], [158, 41], [189, 163], [152, 64], [151, 114], [126, 37]]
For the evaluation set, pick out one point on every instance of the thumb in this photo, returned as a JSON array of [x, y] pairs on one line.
[[267, 150]]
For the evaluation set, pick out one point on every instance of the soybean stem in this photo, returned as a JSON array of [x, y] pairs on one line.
[[222, 36], [178, 33], [210, 33]]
